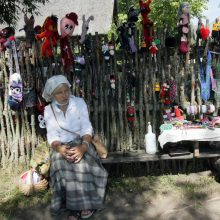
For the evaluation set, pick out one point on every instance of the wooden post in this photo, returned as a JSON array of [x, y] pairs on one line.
[[196, 148]]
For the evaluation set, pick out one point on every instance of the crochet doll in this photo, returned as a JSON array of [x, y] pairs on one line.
[[183, 13], [85, 28], [29, 29], [147, 24], [49, 35], [67, 26], [153, 49]]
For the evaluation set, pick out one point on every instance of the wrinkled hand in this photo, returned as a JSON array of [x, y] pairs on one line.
[[75, 154]]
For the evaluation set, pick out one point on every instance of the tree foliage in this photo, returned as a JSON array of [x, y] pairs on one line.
[[9, 9], [164, 12]]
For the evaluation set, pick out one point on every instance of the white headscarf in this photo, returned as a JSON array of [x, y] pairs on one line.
[[51, 84]]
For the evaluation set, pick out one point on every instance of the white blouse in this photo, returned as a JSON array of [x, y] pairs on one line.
[[76, 119]]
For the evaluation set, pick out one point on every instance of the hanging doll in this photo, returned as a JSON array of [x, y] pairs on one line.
[[2, 41], [216, 30], [84, 38], [49, 35], [29, 29], [7, 37], [153, 49], [67, 26], [15, 91], [112, 82], [131, 112], [183, 13], [147, 24]]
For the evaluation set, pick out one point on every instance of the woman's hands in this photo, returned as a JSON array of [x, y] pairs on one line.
[[75, 154]]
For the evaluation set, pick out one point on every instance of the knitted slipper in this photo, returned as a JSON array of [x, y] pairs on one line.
[[88, 214]]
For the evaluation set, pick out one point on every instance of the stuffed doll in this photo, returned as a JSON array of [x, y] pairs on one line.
[[131, 113], [153, 49], [216, 29], [147, 24], [111, 48], [29, 29], [15, 91], [123, 36], [178, 112], [8, 34], [49, 35], [85, 28], [67, 26], [183, 13], [112, 81], [2, 41]]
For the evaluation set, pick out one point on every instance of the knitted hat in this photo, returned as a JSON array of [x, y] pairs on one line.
[[73, 16]]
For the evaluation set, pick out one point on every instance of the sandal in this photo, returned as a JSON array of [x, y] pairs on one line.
[[74, 215], [86, 214]]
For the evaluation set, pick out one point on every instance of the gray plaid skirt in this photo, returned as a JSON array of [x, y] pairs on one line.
[[79, 186]]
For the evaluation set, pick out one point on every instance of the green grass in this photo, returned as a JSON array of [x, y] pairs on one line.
[[188, 188]]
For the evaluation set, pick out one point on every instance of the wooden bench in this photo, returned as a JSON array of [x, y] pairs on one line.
[[142, 156]]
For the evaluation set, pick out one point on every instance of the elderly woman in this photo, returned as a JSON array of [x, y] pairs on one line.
[[77, 177]]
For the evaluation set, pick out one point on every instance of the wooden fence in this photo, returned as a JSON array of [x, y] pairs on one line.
[[109, 102]]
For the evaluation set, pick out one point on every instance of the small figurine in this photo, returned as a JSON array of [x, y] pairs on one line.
[[112, 82], [178, 112], [153, 49]]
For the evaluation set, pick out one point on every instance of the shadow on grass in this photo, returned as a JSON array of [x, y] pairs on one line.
[[18, 203], [136, 190]]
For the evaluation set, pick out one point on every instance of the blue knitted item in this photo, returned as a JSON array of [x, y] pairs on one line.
[[205, 78]]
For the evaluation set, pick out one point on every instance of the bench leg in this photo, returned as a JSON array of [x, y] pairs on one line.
[[196, 148]]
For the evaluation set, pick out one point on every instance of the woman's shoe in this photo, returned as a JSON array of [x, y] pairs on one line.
[[86, 214], [74, 215]]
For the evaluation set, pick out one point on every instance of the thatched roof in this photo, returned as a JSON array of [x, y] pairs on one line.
[[102, 10]]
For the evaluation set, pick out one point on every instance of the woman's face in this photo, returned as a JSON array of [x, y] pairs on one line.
[[62, 94]]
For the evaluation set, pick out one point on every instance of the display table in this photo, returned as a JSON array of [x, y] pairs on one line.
[[194, 135]]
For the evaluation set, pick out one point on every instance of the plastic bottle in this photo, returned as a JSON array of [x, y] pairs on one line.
[[150, 141]]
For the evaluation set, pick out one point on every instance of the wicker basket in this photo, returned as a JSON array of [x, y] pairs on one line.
[[28, 188]]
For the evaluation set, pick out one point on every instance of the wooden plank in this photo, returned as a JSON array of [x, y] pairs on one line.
[[141, 156]]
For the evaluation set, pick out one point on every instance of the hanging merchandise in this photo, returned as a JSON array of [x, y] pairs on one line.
[[184, 47], [28, 29], [183, 13], [49, 35], [216, 30], [205, 76], [172, 89], [85, 28], [153, 49], [157, 87], [204, 31], [147, 24], [112, 81], [178, 112], [67, 26], [85, 38], [111, 48], [131, 113], [105, 50], [213, 81], [150, 141], [15, 91], [15, 81], [7, 38]]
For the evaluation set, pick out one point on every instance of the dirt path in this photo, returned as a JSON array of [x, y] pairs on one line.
[[181, 197]]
